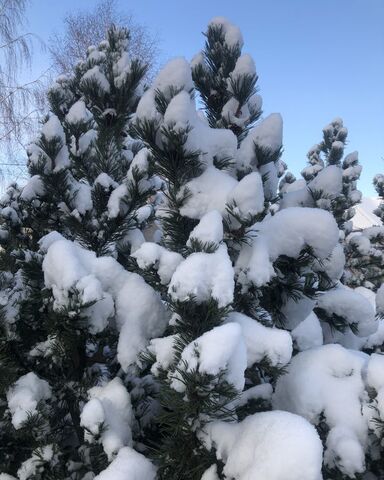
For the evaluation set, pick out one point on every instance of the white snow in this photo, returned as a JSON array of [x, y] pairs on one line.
[[146, 108], [82, 197], [35, 464], [326, 381], [128, 464], [286, 233], [204, 275], [344, 451], [334, 264], [267, 135], [203, 197], [375, 371], [248, 195], [209, 474], [269, 172], [86, 140], [95, 75], [245, 65], [211, 142], [105, 181], [109, 405], [24, 395], [65, 266], [263, 343], [33, 188], [78, 113], [232, 34], [269, 445], [164, 352], [219, 349], [364, 216], [380, 300], [308, 333], [175, 74], [209, 229], [263, 391], [164, 261], [352, 306], [52, 128], [329, 181]]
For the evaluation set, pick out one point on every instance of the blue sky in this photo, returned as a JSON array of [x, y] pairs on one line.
[[316, 59]]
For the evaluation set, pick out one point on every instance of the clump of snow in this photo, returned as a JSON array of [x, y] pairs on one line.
[[24, 395], [115, 200], [30, 467], [209, 229], [203, 197], [269, 172], [66, 266], [78, 113], [204, 275], [329, 181], [248, 195], [327, 381], [96, 75], [82, 200], [219, 349], [269, 445], [211, 142], [176, 74], [296, 310], [352, 306], [344, 451], [164, 261], [163, 350], [232, 34], [209, 474], [245, 65], [333, 265], [105, 181], [33, 188], [263, 343], [375, 371], [86, 140], [287, 233], [52, 128], [380, 300], [146, 108], [308, 334], [128, 464], [263, 391], [110, 406], [267, 136]]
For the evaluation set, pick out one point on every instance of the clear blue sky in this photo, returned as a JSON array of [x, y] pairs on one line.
[[316, 59]]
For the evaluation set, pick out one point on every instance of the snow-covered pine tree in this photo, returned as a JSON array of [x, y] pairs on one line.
[[330, 183], [378, 183], [226, 80], [364, 249], [66, 309], [229, 274], [331, 180]]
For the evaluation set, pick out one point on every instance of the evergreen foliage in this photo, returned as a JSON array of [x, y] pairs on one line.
[[165, 313], [88, 182]]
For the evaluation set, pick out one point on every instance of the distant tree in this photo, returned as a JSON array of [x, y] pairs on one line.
[[85, 28], [17, 98]]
